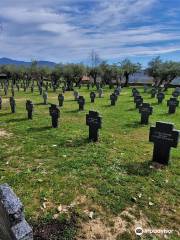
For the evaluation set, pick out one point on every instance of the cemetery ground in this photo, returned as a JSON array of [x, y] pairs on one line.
[[76, 189]]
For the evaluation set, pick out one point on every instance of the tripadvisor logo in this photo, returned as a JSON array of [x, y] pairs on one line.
[[139, 231]]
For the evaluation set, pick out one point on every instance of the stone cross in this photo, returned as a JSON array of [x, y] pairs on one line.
[[116, 92], [81, 102], [172, 103], [61, 99], [45, 97], [32, 88], [138, 100], [13, 225], [94, 121], [92, 96], [55, 114], [76, 95], [145, 110], [113, 98], [160, 97], [12, 104], [29, 108], [164, 137], [153, 92], [176, 93], [100, 92]]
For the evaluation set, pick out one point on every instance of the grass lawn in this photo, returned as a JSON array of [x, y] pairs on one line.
[[102, 189]]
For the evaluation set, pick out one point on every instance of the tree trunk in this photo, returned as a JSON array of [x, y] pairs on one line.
[[127, 79]]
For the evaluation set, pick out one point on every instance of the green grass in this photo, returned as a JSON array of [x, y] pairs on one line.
[[59, 165]]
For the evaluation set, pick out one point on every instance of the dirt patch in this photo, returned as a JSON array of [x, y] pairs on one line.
[[5, 134], [56, 230], [100, 229]]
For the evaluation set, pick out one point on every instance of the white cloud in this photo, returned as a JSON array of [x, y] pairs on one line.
[[67, 31]]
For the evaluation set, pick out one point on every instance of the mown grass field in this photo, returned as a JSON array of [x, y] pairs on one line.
[[50, 168]]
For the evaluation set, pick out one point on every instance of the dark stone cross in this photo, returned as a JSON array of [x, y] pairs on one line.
[[135, 92], [55, 114], [12, 104], [92, 96], [145, 110], [153, 92], [164, 137], [113, 98], [61, 99], [176, 93], [160, 97], [116, 92], [81, 102], [138, 100], [94, 121], [172, 103], [29, 108]]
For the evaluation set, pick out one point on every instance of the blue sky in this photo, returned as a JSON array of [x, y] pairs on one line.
[[68, 30]]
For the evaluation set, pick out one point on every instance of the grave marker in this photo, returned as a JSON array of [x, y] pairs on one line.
[[113, 98], [172, 103], [29, 108], [12, 104], [61, 99], [92, 96], [160, 97], [164, 137], [55, 114], [145, 110], [81, 102], [94, 121]]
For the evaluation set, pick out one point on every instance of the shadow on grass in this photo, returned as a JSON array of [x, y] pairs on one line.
[[5, 114], [135, 124], [131, 109], [41, 104], [40, 129], [138, 169], [72, 111], [16, 120]]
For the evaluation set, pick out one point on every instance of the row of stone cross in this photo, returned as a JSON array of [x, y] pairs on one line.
[[146, 110]]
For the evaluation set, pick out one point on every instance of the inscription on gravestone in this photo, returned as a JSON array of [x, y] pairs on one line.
[[164, 137]]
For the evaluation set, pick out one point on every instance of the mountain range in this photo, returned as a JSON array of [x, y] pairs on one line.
[[8, 61]]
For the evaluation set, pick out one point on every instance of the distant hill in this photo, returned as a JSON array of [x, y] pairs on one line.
[[8, 61]]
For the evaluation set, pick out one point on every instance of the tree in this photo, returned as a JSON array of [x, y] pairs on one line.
[[163, 72], [94, 68], [153, 69], [128, 68]]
